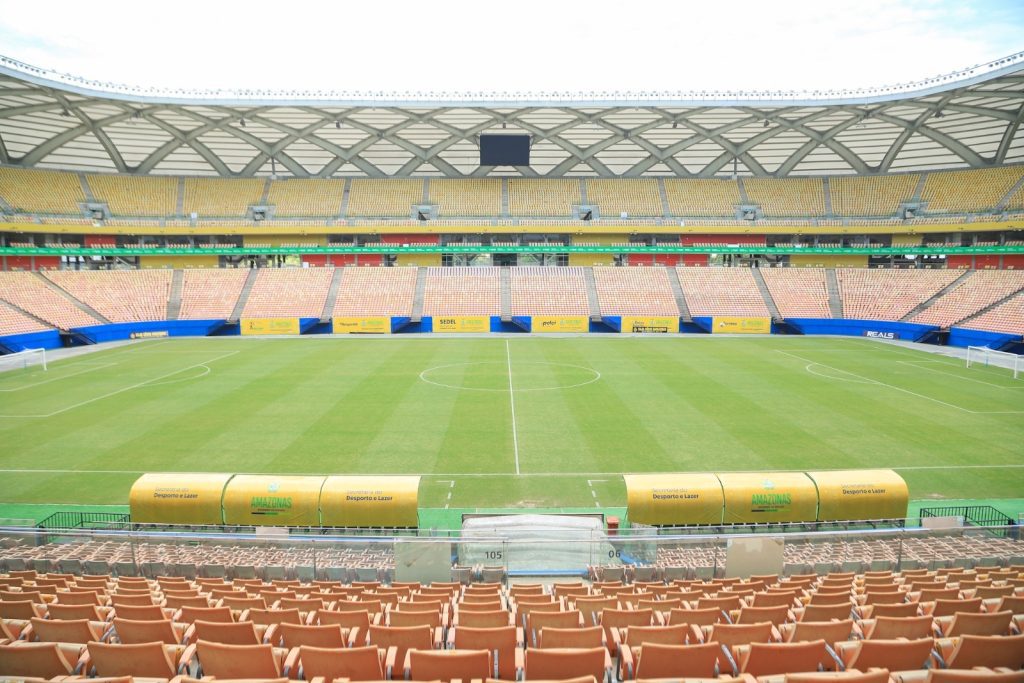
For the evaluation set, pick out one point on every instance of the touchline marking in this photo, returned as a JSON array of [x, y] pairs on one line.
[[512, 402], [91, 368], [121, 391], [905, 391], [953, 374], [505, 474]]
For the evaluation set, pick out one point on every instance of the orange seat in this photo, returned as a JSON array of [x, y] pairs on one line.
[[43, 660], [559, 664], [354, 664], [239, 661], [360, 620], [152, 660], [895, 655], [504, 643], [765, 659], [655, 660], [447, 665], [296, 635], [402, 638], [240, 633], [947, 608], [190, 614], [550, 637], [889, 628], [831, 632], [21, 609], [776, 614], [485, 619], [988, 651], [87, 612], [976, 624], [130, 631], [621, 618], [143, 612], [67, 630], [876, 676], [696, 617]]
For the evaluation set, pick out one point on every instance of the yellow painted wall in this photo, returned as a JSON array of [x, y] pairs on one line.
[[594, 238], [278, 240], [418, 260], [907, 240], [828, 261], [179, 261], [591, 260]]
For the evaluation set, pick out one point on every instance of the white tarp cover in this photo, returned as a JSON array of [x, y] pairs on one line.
[[536, 542]]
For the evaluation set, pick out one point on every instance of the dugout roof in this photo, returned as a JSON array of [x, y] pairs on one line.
[[967, 119]]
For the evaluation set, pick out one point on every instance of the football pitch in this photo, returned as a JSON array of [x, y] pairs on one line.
[[507, 421]]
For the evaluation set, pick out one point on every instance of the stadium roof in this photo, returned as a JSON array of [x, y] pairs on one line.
[[966, 119]]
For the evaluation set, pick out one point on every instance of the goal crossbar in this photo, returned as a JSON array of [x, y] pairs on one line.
[[983, 355], [23, 359]]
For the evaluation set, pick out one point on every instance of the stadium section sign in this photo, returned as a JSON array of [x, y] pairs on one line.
[[366, 325], [728, 324], [258, 326]]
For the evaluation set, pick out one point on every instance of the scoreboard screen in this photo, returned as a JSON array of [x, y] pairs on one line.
[[504, 150]]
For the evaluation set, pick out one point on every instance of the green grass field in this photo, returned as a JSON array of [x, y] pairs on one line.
[[501, 422]]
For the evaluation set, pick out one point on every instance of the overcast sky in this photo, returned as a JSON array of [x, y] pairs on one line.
[[550, 45]]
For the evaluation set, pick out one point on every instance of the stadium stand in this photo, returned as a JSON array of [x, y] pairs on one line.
[[871, 195], [127, 195], [380, 198], [208, 294], [798, 292], [221, 197], [1006, 317], [722, 291], [13, 321], [632, 196], [306, 197], [120, 295], [787, 196], [376, 291], [41, 191], [702, 196], [536, 197], [549, 291], [466, 197], [288, 292], [638, 290], [968, 191], [462, 291], [888, 294], [979, 289], [31, 294]]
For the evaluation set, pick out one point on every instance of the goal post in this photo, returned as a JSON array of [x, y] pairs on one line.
[[982, 355], [23, 359]]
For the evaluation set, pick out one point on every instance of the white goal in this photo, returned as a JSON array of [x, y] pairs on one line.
[[23, 359], [982, 355]]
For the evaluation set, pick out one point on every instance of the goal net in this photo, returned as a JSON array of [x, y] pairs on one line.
[[23, 359], [982, 355]]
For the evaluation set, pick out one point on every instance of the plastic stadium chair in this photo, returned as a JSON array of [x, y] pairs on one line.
[[618, 619], [505, 644], [889, 628], [355, 664], [190, 615], [239, 661], [958, 676], [240, 633], [990, 651], [143, 612], [66, 631], [831, 632], [88, 612], [875, 676], [654, 660], [153, 660], [130, 631], [296, 635], [400, 639], [765, 659], [975, 624], [484, 619], [44, 660], [559, 664], [895, 655], [447, 665]]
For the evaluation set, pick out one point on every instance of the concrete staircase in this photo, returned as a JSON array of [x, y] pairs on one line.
[[677, 291], [332, 295], [835, 300], [766, 294], [243, 297], [506, 293], [595, 304], [417, 299], [926, 304], [86, 308], [174, 300]]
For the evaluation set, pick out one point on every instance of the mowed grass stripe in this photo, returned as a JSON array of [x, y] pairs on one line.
[[662, 404]]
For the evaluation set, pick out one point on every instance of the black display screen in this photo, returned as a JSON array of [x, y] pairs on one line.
[[504, 150]]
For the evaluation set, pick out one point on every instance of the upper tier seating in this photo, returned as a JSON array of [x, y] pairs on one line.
[[1006, 317], [702, 196], [41, 191], [968, 191], [634, 196], [549, 291], [208, 294], [376, 291], [306, 197], [221, 196], [30, 293], [1016, 201], [547, 197], [888, 294], [466, 197], [120, 296], [288, 293], [384, 197], [639, 290], [462, 291], [871, 195], [977, 290], [722, 291], [787, 196], [128, 195], [798, 292], [13, 321]]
